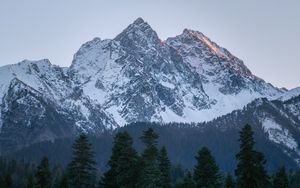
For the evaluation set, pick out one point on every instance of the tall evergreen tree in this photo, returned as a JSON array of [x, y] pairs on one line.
[[176, 174], [64, 182], [123, 164], [281, 179], [30, 182], [57, 174], [165, 167], [229, 182], [294, 180], [43, 176], [150, 173], [206, 172], [81, 170], [6, 181], [187, 182], [250, 170]]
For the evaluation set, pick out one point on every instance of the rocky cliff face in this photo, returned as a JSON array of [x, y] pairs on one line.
[[188, 78]]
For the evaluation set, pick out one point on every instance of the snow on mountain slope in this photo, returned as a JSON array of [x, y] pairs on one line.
[[271, 121], [217, 66], [278, 134], [135, 77], [40, 75], [28, 117], [290, 94], [54, 85], [281, 127], [226, 79], [293, 106], [291, 102]]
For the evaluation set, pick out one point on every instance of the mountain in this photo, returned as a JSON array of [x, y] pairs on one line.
[[188, 78], [290, 94], [137, 77], [38, 102]]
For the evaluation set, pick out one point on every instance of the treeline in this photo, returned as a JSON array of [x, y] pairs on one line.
[[150, 169]]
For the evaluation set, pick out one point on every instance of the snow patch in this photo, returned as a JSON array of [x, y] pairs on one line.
[[169, 116], [167, 84], [278, 134], [115, 112], [290, 94]]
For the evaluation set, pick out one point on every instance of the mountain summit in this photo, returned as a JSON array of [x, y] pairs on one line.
[[138, 31], [133, 77]]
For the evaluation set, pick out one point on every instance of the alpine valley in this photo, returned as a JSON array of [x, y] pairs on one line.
[[193, 91]]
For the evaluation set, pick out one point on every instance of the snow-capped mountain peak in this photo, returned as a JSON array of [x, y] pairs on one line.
[[136, 77], [40, 75], [197, 36], [290, 94], [201, 50], [138, 36]]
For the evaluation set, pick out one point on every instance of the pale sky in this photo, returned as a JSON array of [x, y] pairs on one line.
[[265, 34]]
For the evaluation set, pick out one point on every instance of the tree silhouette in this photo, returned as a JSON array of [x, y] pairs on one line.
[[81, 170]]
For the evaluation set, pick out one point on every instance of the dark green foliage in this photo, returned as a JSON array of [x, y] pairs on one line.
[[176, 174], [165, 167], [152, 169], [19, 171], [295, 179], [281, 179], [30, 182], [122, 164], [206, 172], [150, 174], [149, 139], [57, 175], [64, 182], [43, 176], [6, 181], [250, 170], [229, 182], [187, 182], [181, 140], [81, 170]]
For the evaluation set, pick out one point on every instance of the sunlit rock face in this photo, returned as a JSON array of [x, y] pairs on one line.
[[187, 78]]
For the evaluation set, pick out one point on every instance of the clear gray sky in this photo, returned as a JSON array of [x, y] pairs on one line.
[[263, 33]]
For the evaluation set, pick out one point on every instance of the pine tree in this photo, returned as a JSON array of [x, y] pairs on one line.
[[294, 180], [81, 170], [150, 173], [229, 182], [6, 181], [281, 179], [123, 164], [206, 172], [64, 183], [165, 167], [30, 182], [250, 170], [176, 174], [188, 182], [43, 176], [57, 175]]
